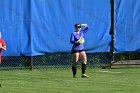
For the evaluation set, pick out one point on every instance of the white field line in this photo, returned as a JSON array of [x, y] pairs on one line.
[[109, 72]]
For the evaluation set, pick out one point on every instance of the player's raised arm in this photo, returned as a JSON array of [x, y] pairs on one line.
[[86, 28]]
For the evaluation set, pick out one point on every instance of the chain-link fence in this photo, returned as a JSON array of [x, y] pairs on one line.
[[64, 61], [54, 60]]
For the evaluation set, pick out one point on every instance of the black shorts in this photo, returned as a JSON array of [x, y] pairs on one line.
[[76, 51]]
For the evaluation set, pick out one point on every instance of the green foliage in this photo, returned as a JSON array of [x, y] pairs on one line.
[[127, 56]]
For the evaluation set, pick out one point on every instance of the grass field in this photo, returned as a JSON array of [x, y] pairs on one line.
[[61, 81]]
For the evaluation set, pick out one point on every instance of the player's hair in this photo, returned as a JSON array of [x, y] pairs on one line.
[[77, 25]]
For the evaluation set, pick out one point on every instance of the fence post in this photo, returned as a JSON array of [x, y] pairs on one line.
[[112, 32], [31, 63]]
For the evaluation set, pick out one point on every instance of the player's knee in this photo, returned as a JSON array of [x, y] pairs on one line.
[[85, 61]]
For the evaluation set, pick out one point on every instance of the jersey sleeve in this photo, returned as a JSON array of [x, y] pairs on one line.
[[72, 41], [3, 43], [86, 29]]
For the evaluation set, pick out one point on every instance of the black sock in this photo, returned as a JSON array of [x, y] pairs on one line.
[[74, 70], [83, 68]]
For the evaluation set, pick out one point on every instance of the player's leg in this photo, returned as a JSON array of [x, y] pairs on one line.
[[75, 62], [84, 62]]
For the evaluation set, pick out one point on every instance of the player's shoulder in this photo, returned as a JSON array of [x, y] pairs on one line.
[[74, 33], [1, 40]]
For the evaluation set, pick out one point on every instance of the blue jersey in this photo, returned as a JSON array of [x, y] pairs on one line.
[[75, 37]]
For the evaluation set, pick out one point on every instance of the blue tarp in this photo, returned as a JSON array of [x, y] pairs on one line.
[[36, 27], [127, 25]]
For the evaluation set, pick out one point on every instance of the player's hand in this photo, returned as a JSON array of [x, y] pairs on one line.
[[81, 40], [84, 25]]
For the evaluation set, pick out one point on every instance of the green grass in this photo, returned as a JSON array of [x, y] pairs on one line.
[[61, 81]]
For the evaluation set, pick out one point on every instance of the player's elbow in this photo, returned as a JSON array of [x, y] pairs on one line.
[[72, 42], [87, 27]]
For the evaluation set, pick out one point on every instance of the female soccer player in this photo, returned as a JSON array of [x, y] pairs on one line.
[[2, 46], [77, 39]]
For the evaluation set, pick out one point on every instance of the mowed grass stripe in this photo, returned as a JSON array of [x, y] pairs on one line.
[[61, 81]]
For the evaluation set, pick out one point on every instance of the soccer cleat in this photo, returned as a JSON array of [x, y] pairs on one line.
[[74, 76], [84, 76]]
